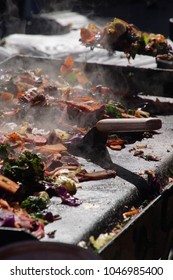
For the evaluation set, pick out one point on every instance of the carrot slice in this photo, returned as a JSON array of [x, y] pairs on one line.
[[87, 36], [4, 204], [5, 96], [8, 185], [131, 213], [67, 65], [56, 148]]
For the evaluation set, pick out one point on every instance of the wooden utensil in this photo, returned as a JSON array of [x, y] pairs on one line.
[[129, 125]]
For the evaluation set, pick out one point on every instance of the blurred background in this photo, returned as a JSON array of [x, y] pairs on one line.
[[52, 28], [147, 15]]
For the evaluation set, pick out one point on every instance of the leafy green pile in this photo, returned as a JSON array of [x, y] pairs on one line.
[[27, 169]]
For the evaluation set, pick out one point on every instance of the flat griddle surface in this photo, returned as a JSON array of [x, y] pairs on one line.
[[104, 200]]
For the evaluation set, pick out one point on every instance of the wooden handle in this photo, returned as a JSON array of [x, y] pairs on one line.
[[129, 125]]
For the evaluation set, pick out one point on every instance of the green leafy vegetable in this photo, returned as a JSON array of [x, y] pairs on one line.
[[4, 151], [28, 168], [35, 203], [112, 110]]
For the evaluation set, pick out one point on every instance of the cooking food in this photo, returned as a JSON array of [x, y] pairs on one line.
[[165, 61], [39, 119], [119, 35]]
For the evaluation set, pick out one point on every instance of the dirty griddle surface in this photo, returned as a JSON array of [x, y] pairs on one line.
[[103, 200]]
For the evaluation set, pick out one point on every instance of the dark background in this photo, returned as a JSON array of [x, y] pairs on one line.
[[147, 15]]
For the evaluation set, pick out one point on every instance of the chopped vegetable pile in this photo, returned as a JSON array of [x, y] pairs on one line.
[[119, 35]]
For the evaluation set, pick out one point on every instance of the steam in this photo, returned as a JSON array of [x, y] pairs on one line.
[[42, 116], [50, 117]]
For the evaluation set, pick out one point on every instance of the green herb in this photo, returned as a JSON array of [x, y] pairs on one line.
[[146, 38], [112, 110]]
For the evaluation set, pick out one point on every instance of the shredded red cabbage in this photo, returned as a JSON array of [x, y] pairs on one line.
[[61, 192], [66, 197], [7, 219]]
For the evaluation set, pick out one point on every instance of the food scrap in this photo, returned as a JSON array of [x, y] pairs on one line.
[[138, 152], [104, 238], [119, 35], [101, 240]]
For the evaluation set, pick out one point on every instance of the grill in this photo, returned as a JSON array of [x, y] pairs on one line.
[[148, 235]]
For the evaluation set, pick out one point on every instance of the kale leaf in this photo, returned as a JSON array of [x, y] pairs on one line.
[[28, 168]]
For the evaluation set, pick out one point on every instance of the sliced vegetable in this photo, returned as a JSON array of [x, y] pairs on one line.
[[8, 185], [52, 148]]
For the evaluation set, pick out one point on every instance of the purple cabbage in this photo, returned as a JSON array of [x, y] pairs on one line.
[[7, 219], [66, 198], [48, 216], [61, 192]]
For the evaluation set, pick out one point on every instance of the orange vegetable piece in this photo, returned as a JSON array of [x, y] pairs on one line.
[[8, 184], [4, 204], [56, 148], [5, 96], [131, 213], [67, 65], [81, 77], [15, 137], [114, 142], [87, 36]]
